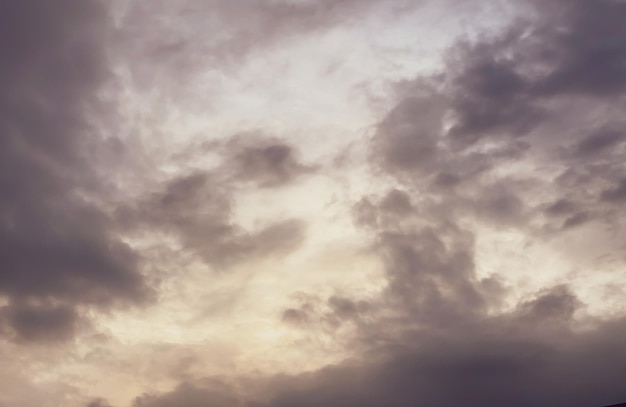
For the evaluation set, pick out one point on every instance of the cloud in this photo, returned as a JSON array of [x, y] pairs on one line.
[[599, 142], [328, 315], [511, 101], [556, 305], [488, 369], [209, 393], [44, 322], [587, 52], [99, 403], [615, 194], [56, 244], [520, 359], [451, 145], [407, 137], [502, 140], [197, 209], [521, 134], [485, 365], [196, 204], [241, 27], [263, 161]]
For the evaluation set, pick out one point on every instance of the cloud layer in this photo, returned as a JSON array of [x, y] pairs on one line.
[[503, 137], [465, 249]]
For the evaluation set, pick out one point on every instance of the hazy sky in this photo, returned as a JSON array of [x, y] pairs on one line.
[[312, 203]]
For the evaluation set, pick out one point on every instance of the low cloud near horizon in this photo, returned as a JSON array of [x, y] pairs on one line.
[[338, 203]]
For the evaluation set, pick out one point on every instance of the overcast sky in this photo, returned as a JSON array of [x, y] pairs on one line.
[[312, 203]]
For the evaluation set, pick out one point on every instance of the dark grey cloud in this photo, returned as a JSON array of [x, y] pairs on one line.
[[197, 206], [488, 96], [485, 365], [407, 137], [429, 266], [395, 206], [599, 142], [251, 160], [576, 220], [555, 306], [490, 369], [56, 245], [522, 96], [99, 403], [561, 207], [197, 209], [209, 393], [530, 357], [328, 315], [41, 322], [296, 316], [616, 194], [397, 202], [263, 161], [587, 52], [575, 49], [567, 213], [499, 104], [501, 205], [453, 142]]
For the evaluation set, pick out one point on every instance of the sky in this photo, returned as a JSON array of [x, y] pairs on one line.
[[329, 203]]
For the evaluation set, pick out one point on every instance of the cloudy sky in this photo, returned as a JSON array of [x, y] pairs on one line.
[[299, 203]]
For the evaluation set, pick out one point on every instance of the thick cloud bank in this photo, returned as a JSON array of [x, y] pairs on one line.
[[58, 250]]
